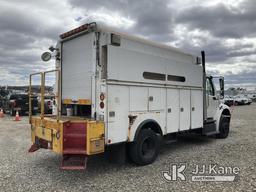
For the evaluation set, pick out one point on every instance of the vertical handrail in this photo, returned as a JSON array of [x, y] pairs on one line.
[[29, 99], [42, 92], [30, 92], [42, 95]]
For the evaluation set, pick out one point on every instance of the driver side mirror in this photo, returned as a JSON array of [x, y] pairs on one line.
[[221, 81]]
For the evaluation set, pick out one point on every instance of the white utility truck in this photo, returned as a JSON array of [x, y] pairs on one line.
[[127, 92]]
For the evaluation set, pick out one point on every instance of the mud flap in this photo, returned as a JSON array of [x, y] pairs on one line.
[[39, 143], [33, 148], [117, 153]]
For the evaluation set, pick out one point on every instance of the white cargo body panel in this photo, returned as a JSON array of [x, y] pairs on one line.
[[138, 99], [136, 62], [118, 110], [167, 100], [196, 109], [157, 99], [77, 64], [184, 109], [173, 110]]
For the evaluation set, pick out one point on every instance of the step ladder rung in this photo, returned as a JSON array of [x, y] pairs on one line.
[[73, 162], [74, 151]]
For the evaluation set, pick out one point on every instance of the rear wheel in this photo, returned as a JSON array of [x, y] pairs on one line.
[[145, 149], [224, 128]]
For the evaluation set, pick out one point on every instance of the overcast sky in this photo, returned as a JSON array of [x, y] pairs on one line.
[[226, 30]]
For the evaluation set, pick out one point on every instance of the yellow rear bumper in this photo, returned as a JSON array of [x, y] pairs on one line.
[[51, 131]]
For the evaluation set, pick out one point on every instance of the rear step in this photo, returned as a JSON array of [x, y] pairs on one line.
[[74, 146], [73, 162]]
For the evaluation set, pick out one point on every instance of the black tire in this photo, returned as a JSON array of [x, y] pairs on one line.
[[145, 149], [224, 128]]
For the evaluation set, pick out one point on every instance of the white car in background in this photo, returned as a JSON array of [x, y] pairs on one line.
[[242, 100], [228, 100], [252, 97]]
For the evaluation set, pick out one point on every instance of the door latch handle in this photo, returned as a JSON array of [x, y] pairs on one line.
[[150, 98], [181, 109]]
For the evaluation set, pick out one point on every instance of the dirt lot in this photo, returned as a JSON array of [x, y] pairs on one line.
[[20, 171]]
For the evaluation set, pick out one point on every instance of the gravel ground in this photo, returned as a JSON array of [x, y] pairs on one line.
[[20, 171]]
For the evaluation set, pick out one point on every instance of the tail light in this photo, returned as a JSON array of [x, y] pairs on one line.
[[48, 103], [102, 96], [102, 105]]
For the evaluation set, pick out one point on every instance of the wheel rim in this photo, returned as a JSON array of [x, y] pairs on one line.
[[148, 147]]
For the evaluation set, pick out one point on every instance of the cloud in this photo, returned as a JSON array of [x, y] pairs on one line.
[[224, 29], [151, 19], [221, 20]]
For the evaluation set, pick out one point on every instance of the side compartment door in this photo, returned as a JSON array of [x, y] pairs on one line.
[[118, 107], [196, 109], [156, 99], [138, 99], [157, 105], [173, 110], [184, 109]]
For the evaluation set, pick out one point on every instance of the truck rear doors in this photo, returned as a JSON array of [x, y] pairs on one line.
[[77, 68]]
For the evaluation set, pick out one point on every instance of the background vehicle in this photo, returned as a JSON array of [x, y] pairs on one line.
[[126, 93], [20, 103], [228, 100], [48, 104], [242, 100], [249, 100], [253, 97], [4, 99]]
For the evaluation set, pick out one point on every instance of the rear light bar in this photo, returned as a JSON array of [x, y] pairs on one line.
[[84, 27]]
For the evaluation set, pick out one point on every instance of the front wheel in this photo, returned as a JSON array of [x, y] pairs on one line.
[[224, 128], [145, 149]]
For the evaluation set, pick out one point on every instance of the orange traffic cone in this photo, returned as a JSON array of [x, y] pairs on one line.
[[17, 116], [1, 113]]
